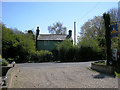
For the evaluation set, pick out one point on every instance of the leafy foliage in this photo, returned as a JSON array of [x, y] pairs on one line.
[[81, 52], [17, 45], [41, 56], [66, 50], [93, 43], [93, 33], [21, 47], [3, 62]]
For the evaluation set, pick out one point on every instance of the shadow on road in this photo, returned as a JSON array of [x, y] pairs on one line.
[[103, 75]]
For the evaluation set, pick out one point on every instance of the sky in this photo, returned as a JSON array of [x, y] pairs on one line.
[[28, 15]]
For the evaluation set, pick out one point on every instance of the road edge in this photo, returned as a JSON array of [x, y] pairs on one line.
[[10, 75]]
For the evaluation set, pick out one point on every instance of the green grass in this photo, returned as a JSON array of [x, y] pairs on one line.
[[100, 63]]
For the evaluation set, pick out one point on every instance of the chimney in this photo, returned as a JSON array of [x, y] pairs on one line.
[[74, 33], [37, 32], [70, 33]]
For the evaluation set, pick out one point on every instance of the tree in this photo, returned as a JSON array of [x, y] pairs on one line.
[[93, 28], [17, 45], [113, 14], [57, 28], [30, 31], [92, 34], [7, 42], [108, 37]]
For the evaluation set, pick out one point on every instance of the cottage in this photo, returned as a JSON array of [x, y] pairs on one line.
[[49, 41]]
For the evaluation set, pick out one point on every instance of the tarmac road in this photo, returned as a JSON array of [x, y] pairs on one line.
[[61, 75], [38, 65]]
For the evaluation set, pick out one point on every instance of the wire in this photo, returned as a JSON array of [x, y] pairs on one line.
[[91, 10]]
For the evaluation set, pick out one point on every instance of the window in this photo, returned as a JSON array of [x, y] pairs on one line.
[[46, 43]]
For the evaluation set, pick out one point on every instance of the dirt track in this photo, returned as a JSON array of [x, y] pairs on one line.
[[61, 76]]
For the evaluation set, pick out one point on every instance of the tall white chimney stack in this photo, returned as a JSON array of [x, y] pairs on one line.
[[74, 33]]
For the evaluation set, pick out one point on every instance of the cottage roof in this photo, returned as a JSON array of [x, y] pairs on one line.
[[52, 37]]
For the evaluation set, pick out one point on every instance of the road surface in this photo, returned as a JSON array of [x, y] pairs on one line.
[[61, 75]]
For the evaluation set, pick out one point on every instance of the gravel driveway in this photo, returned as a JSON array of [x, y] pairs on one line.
[[61, 75]]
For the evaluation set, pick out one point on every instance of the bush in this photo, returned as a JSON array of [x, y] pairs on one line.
[[3, 62], [17, 44], [66, 51], [55, 53], [42, 56], [87, 54], [69, 53]]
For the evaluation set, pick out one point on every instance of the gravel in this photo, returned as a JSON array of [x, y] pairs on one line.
[[61, 75]]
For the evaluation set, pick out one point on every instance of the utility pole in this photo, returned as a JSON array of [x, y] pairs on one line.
[[108, 38]]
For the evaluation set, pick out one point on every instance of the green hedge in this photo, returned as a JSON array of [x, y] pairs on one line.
[[41, 56], [69, 53]]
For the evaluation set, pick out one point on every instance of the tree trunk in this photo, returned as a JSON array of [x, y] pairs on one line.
[[108, 37]]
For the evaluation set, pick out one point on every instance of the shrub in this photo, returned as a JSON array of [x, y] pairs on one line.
[[66, 51], [55, 53], [87, 53], [45, 56], [3, 62], [42, 56], [69, 53]]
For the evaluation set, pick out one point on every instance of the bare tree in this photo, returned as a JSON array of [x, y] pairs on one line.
[[57, 28], [113, 14]]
